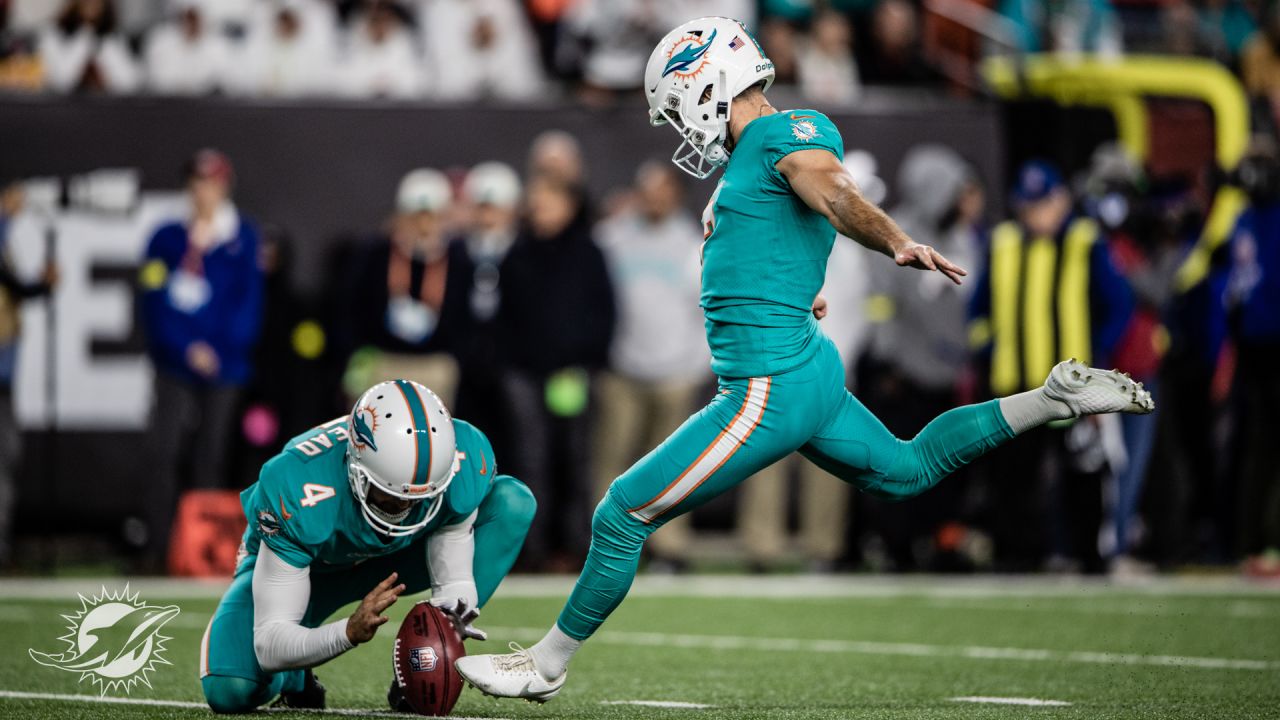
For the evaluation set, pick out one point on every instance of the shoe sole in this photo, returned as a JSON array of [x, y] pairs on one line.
[[1140, 401], [535, 700]]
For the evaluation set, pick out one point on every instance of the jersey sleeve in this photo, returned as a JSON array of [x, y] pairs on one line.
[[796, 130], [476, 469], [275, 514]]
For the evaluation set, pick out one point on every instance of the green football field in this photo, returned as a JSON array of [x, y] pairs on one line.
[[776, 647]]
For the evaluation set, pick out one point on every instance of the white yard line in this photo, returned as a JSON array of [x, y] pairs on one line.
[[739, 586], [1011, 701], [99, 699], [674, 704], [862, 647], [1143, 606]]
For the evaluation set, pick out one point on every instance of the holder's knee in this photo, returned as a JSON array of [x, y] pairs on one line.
[[514, 500], [234, 695]]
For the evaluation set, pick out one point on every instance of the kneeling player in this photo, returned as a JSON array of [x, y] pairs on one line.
[[425, 508]]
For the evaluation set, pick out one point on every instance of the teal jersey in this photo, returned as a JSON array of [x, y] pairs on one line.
[[302, 506], [765, 255]]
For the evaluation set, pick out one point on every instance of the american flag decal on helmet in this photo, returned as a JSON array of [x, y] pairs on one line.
[[736, 43]]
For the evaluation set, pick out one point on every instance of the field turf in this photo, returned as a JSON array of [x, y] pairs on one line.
[[779, 647]]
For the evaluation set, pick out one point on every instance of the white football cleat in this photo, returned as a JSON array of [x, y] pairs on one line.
[[1089, 391], [513, 676]]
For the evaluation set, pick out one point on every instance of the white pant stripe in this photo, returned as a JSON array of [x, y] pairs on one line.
[[204, 649], [721, 449]]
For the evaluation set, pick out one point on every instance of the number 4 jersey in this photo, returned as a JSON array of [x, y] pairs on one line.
[[303, 509]]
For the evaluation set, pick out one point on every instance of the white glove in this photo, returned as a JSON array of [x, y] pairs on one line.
[[462, 616]]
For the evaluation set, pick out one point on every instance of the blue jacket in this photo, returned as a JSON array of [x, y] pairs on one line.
[[1253, 287], [228, 321]]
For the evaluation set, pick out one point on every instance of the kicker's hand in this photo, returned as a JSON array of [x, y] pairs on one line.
[[819, 307], [367, 618], [462, 617], [923, 257]]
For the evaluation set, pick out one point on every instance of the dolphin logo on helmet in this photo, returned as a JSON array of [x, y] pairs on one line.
[[363, 432], [688, 55]]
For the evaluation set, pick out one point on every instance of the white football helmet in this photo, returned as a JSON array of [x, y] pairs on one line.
[[691, 80], [401, 441]]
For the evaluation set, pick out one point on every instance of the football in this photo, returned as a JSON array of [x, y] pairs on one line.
[[425, 649]]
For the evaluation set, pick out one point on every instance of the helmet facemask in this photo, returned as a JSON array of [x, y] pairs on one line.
[[704, 127], [389, 524]]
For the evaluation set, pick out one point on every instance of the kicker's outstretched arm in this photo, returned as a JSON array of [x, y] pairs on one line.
[[823, 183]]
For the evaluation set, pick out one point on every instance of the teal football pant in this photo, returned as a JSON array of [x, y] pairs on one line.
[[752, 423], [233, 681]]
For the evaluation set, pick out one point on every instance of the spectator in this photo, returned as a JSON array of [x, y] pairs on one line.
[[615, 39], [918, 345], [1260, 62], [286, 54], [230, 16], [483, 49], [1114, 196], [29, 16], [19, 64], [1228, 24], [557, 154], [84, 53], [1071, 26], [1253, 295], [138, 16], [1185, 515], [895, 57], [492, 192], [825, 66], [187, 56], [13, 292], [555, 320], [1048, 291], [410, 294], [201, 310], [781, 37], [381, 59], [1184, 34], [799, 11], [659, 358]]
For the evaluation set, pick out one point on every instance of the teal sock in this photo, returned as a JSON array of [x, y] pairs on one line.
[[950, 441], [612, 561]]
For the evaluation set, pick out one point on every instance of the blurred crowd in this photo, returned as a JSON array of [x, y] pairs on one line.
[[567, 327], [514, 50]]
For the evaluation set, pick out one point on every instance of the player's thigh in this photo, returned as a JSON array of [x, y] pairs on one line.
[[750, 424], [853, 444]]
